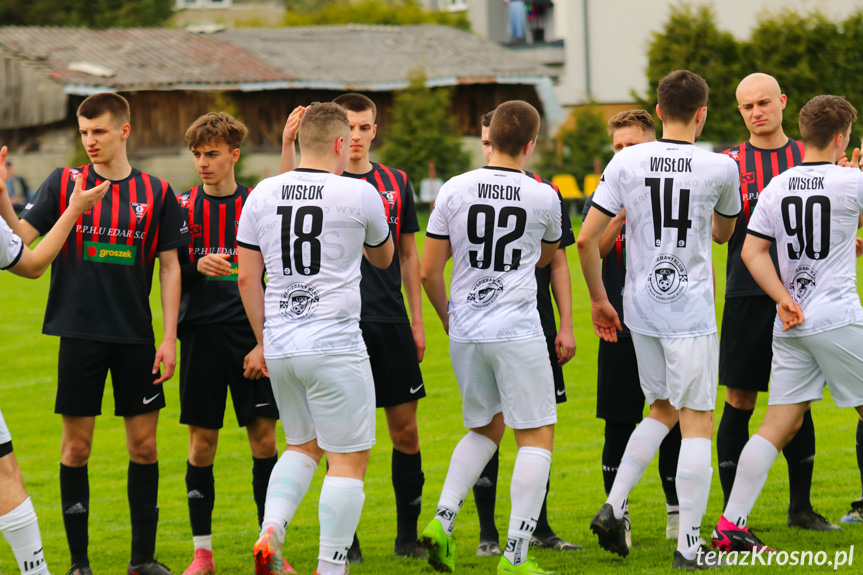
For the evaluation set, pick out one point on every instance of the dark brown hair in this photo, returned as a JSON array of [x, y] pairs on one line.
[[105, 102], [354, 102], [513, 125], [823, 117], [680, 95]]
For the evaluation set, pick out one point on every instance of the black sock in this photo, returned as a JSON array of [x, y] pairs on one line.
[[731, 437], [261, 471], [484, 494], [143, 491], [408, 480], [75, 497], [800, 454], [616, 437], [669, 453], [860, 453], [201, 492], [543, 529]]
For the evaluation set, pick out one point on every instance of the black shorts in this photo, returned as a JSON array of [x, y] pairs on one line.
[[393, 357], [83, 366], [618, 389], [746, 345], [556, 370], [211, 362]]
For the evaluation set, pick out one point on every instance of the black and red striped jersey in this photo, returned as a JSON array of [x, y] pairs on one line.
[[381, 289], [213, 225], [543, 275], [757, 168], [100, 282]]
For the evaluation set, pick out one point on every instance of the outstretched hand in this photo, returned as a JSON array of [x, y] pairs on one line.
[[82, 200], [606, 322]]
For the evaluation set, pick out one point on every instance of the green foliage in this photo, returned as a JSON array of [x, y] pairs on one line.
[[575, 150], [389, 12], [423, 131], [91, 14], [691, 40]]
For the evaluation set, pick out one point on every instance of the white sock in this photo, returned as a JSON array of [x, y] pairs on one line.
[[339, 514], [21, 529], [694, 474], [755, 462], [640, 451], [204, 542], [289, 483], [529, 478], [469, 458]]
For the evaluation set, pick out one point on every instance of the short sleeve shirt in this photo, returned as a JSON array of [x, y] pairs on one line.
[[811, 211], [614, 271], [381, 289], [496, 220], [100, 282], [11, 247], [669, 190], [310, 227]]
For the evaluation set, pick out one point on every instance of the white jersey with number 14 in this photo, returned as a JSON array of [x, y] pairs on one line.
[[669, 190]]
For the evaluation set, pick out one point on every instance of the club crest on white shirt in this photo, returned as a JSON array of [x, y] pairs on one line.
[[298, 302], [668, 280], [484, 293]]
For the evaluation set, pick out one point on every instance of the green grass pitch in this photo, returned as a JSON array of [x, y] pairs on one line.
[[28, 363]]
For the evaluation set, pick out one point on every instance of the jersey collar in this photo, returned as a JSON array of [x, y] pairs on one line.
[[669, 141], [502, 169]]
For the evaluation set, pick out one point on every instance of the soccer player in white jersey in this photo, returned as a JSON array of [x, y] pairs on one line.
[[675, 196], [497, 223], [18, 521], [812, 212], [309, 228]]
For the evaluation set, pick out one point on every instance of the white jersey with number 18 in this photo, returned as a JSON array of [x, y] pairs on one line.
[[812, 212], [310, 226], [669, 190], [495, 220]]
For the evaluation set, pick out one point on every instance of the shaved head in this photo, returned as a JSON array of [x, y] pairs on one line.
[[761, 101], [758, 81]]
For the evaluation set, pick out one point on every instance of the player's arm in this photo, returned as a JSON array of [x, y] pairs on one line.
[[609, 236], [20, 228], [546, 253], [606, 323], [409, 261], [34, 263], [170, 283], [756, 256], [436, 253], [289, 136], [561, 289], [381, 256], [251, 269], [723, 227]]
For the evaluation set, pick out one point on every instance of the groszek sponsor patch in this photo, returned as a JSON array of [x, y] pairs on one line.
[[110, 253], [231, 277]]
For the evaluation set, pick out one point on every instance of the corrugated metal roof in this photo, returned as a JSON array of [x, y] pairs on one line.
[[359, 57]]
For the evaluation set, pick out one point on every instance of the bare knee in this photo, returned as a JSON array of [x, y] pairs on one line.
[[406, 438], [143, 449], [75, 451], [743, 399], [262, 438], [202, 446]]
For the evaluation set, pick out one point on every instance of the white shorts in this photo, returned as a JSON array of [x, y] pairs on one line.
[[682, 370], [803, 365], [510, 376], [330, 398], [5, 436]]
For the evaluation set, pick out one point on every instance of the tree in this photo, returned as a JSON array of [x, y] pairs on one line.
[[423, 131], [575, 150], [389, 12], [91, 14], [691, 40]]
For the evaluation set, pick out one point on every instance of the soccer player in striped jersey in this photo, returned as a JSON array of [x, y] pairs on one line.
[[811, 213], [677, 198], [395, 341], [496, 223], [309, 229], [619, 399], [99, 306], [747, 320], [552, 280], [18, 521], [217, 349]]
